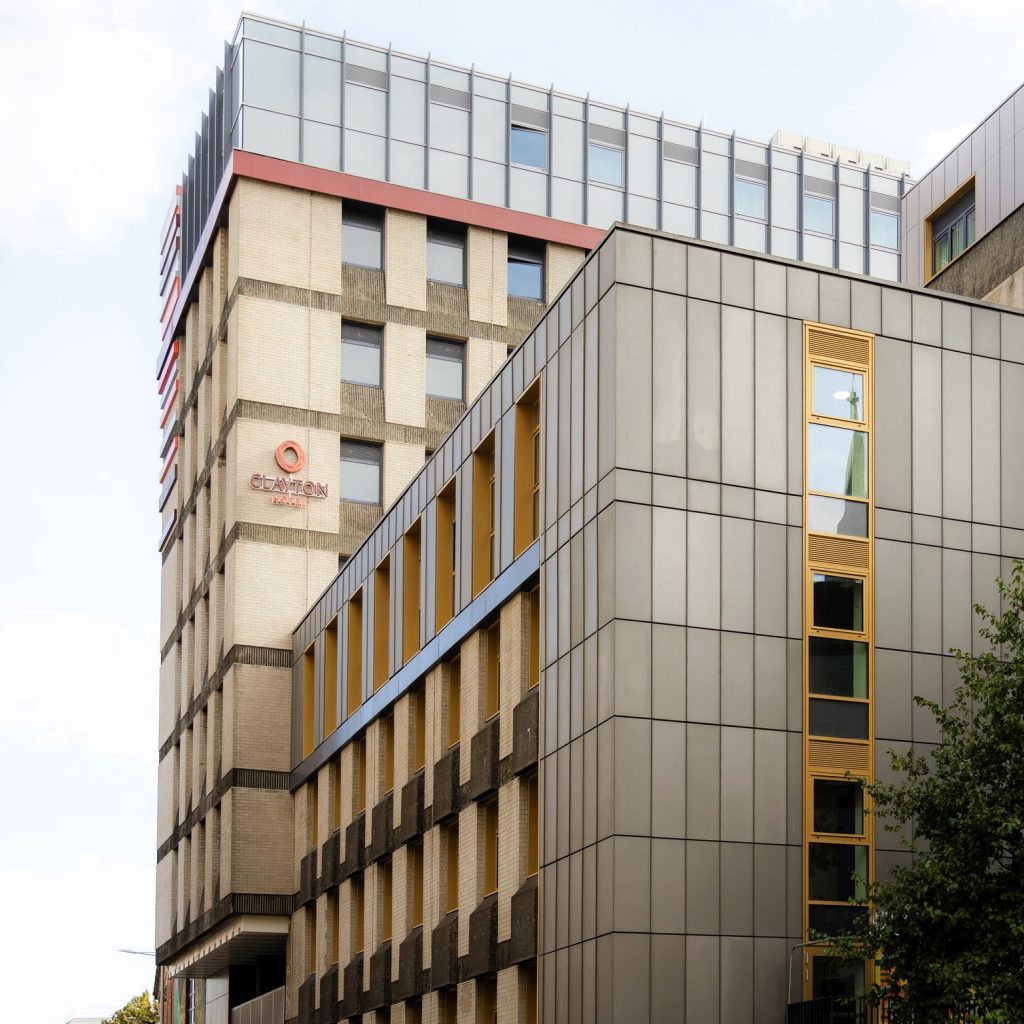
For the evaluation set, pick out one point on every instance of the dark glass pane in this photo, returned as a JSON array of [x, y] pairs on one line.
[[837, 460], [838, 668], [834, 515], [838, 807], [839, 718], [831, 870], [833, 920], [838, 602], [970, 226], [834, 978]]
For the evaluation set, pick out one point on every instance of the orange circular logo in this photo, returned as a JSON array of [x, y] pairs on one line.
[[290, 456]]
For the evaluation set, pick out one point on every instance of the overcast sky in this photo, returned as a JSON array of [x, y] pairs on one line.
[[99, 105]]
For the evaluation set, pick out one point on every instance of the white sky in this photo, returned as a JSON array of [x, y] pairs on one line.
[[99, 104]]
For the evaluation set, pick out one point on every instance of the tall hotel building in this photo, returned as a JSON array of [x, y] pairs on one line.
[[529, 589]]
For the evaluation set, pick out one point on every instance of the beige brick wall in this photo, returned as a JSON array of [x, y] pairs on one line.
[[1009, 292], [261, 841], [401, 463], [166, 899], [483, 359], [405, 374], [273, 225], [487, 275], [325, 243], [405, 259], [561, 263]]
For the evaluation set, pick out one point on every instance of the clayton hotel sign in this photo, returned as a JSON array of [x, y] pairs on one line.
[[288, 490]]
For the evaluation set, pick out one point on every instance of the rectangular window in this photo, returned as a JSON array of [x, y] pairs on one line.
[[388, 731], [534, 637], [528, 972], [419, 746], [449, 1010], [381, 622], [308, 702], [362, 235], [358, 915], [310, 940], [415, 883], [838, 394], [952, 230], [604, 164], [446, 252], [832, 870], [444, 547], [450, 838], [333, 924], [361, 348], [313, 814], [446, 369], [818, 215], [532, 825], [838, 807], [454, 701], [484, 514], [331, 677], [489, 811], [840, 719], [837, 460], [885, 230], [529, 147], [525, 268], [354, 668], [749, 199], [486, 1001], [360, 472], [493, 701], [411, 555], [385, 899], [336, 793], [834, 515], [359, 769], [527, 470], [838, 603]]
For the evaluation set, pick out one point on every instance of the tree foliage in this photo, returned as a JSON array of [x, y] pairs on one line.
[[140, 1010], [950, 925]]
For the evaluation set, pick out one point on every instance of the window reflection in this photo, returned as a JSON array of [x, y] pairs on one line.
[[833, 515], [837, 460], [838, 393], [832, 870], [838, 603], [838, 668], [838, 807]]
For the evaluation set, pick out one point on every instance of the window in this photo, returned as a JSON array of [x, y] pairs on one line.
[[832, 870], [484, 514], [362, 233], [310, 940], [952, 229], [454, 702], [336, 794], [885, 230], [840, 719], [528, 973], [838, 668], [388, 737], [331, 678], [360, 472], [838, 394], [838, 603], [532, 825], [386, 884], [361, 347], [359, 770], [529, 147], [489, 811], [486, 1000], [415, 883], [838, 807], [444, 548], [445, 362], [527, 470], [333, 921], [358, 919], [749, 199], [446, 252], [419, 746], [493, 696], [354, 668], [837, 460], [818, 214], [312, 813], [308, 702], [411, 555], [525, 268], [381, 622], [449, 1006], [604, 164], [450, 837]]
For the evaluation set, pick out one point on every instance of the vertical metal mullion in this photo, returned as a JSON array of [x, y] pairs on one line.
[[302, 91], [387, 119], [550, 151], [426, 128], [470, 146], [341, 139], [699, 191], [800, 203], [732, 189], [660, 174], [868, 182], [508, 142], [586, 159], [625, 167], [769, 186]]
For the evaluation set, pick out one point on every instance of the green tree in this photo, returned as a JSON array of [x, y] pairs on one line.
[[140, 1010], [949, 927]]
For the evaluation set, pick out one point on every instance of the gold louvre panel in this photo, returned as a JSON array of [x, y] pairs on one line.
[[825, 755], [840, 551], [841, 346]]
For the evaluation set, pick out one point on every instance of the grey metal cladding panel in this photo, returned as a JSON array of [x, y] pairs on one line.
[[632, 674], [926, 429], [896, 313], [633, 334], [564, 427], [606, 410], [577, 424], [668, 781], [985, 570], [956, 435], [668, 372], [892, 594], [703, 761], [703, 580], [892, 433], [1012, 416], [590, 400], [794, 406], [668, 530], [737, 795], [770, 579], [926, 674], [926, 598], [631, 909], [957, 613], [737, 701], [769, 890], [737, 568], [834, 300], [633, 561], [770, 786], [893, 695], [702, 978], [669, 672], [769, 430], [737, 872], [737, 396], [702, 887], [550, 414], [668, 978], [703, 387]]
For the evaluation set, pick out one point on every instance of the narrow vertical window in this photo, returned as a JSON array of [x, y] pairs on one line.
[[484, 514], [490, 816], [336, 793], [532, 825], [359, 769], [381, 622], [454, 701], [354, 666], [362, 235], [308, 702], [415, 884], [358, 915], [311, 940], [313, 813], [445, 551], [526, 268], [419, 747], [334, 925], [534, 636], [388, 730], [527, 469], [493, 696], [331, 678], [385, 900], [450, 835], [411, 556]]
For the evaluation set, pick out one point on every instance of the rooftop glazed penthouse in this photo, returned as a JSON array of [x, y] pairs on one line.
[[327, 101]]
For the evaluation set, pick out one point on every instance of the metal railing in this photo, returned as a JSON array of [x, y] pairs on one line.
[[265, 1009]]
